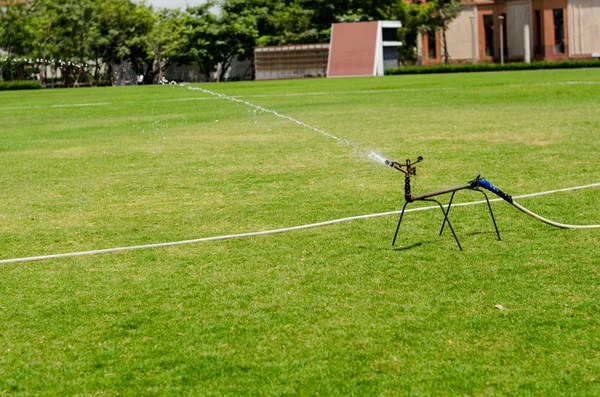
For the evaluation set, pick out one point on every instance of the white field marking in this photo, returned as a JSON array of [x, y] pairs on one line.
[[283, 95], [554, 83], [67, 105], [233, 96], [182, 99], [321, 93], [346, 92], [578, 82], [273, 231], [301, 94]]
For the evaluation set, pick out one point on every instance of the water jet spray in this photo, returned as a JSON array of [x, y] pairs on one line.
[[409, 170]]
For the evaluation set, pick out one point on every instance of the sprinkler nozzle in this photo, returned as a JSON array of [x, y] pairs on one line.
[[408, 168], [395, 165]]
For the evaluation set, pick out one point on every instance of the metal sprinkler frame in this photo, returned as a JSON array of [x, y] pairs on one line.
[[409, 169]]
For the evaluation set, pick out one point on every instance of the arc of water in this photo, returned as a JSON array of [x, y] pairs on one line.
[[371, 155], [265, 110]]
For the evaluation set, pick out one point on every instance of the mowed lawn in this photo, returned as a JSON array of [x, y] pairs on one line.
[[334, 310]]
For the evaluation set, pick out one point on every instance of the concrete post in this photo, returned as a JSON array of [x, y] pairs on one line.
[[527, 44], [419, 49], [501, 39], [473, 39]]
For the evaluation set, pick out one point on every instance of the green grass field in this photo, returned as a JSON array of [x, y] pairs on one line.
[[334, 310]]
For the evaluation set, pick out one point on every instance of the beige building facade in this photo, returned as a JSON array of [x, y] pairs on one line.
[[517, 30]]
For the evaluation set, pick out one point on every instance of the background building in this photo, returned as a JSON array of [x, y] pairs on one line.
[[489, 31], [363, 48], [355, 49], [290, 61]]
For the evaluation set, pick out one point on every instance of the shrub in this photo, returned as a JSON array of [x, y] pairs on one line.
[[20, 85], [493, 67]]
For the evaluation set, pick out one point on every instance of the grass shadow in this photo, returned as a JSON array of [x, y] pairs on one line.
[[405, 248]]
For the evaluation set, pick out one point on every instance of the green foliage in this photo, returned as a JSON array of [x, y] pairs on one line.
[[291, 24], [79, 38], [122, 27], [164, 42], [14, 18], [65, 33], [493, 67], [200, 39], [238, 32], [414, 17], [20, 85]]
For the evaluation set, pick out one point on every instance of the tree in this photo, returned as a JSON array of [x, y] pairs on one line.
[[41, 35], [414, 17], [13, 36], [236, 37], [200, 36], [291, 24], [143, 21], [121, 24], [164, 42], [443, 13], [71, 26]]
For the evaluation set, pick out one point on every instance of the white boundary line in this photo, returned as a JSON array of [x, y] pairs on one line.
[[66, 105], [300, 94], [273, 231]]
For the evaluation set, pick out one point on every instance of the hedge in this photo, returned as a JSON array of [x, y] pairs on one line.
[[20, 85], [493, 67]]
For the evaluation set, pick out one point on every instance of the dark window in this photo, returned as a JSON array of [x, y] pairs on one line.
[[537, 33], [390, 34], [390, 53], [559, 31], [390, 57], [488, 26], [431, 44]]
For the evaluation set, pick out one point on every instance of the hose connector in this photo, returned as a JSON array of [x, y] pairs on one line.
[[484, 183]]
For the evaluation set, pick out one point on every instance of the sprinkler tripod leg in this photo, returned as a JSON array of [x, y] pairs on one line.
[[489, 207], [447, 212], [399, 222], [491, 213], [446, 219]]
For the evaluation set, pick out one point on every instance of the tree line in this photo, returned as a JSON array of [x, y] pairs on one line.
[[87, 39]]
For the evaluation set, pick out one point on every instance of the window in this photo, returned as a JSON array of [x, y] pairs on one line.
[[390, 57], [537, 33], [559, 31], [390, 53], [390, 34], [488, 26], [431, 46]]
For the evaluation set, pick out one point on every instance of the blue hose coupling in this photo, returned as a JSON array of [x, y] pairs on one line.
[[484, 183]]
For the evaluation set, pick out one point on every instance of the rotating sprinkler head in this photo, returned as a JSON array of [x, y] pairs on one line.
[[409, 170]]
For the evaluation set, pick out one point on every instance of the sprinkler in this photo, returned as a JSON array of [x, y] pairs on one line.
[[409, 169]]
